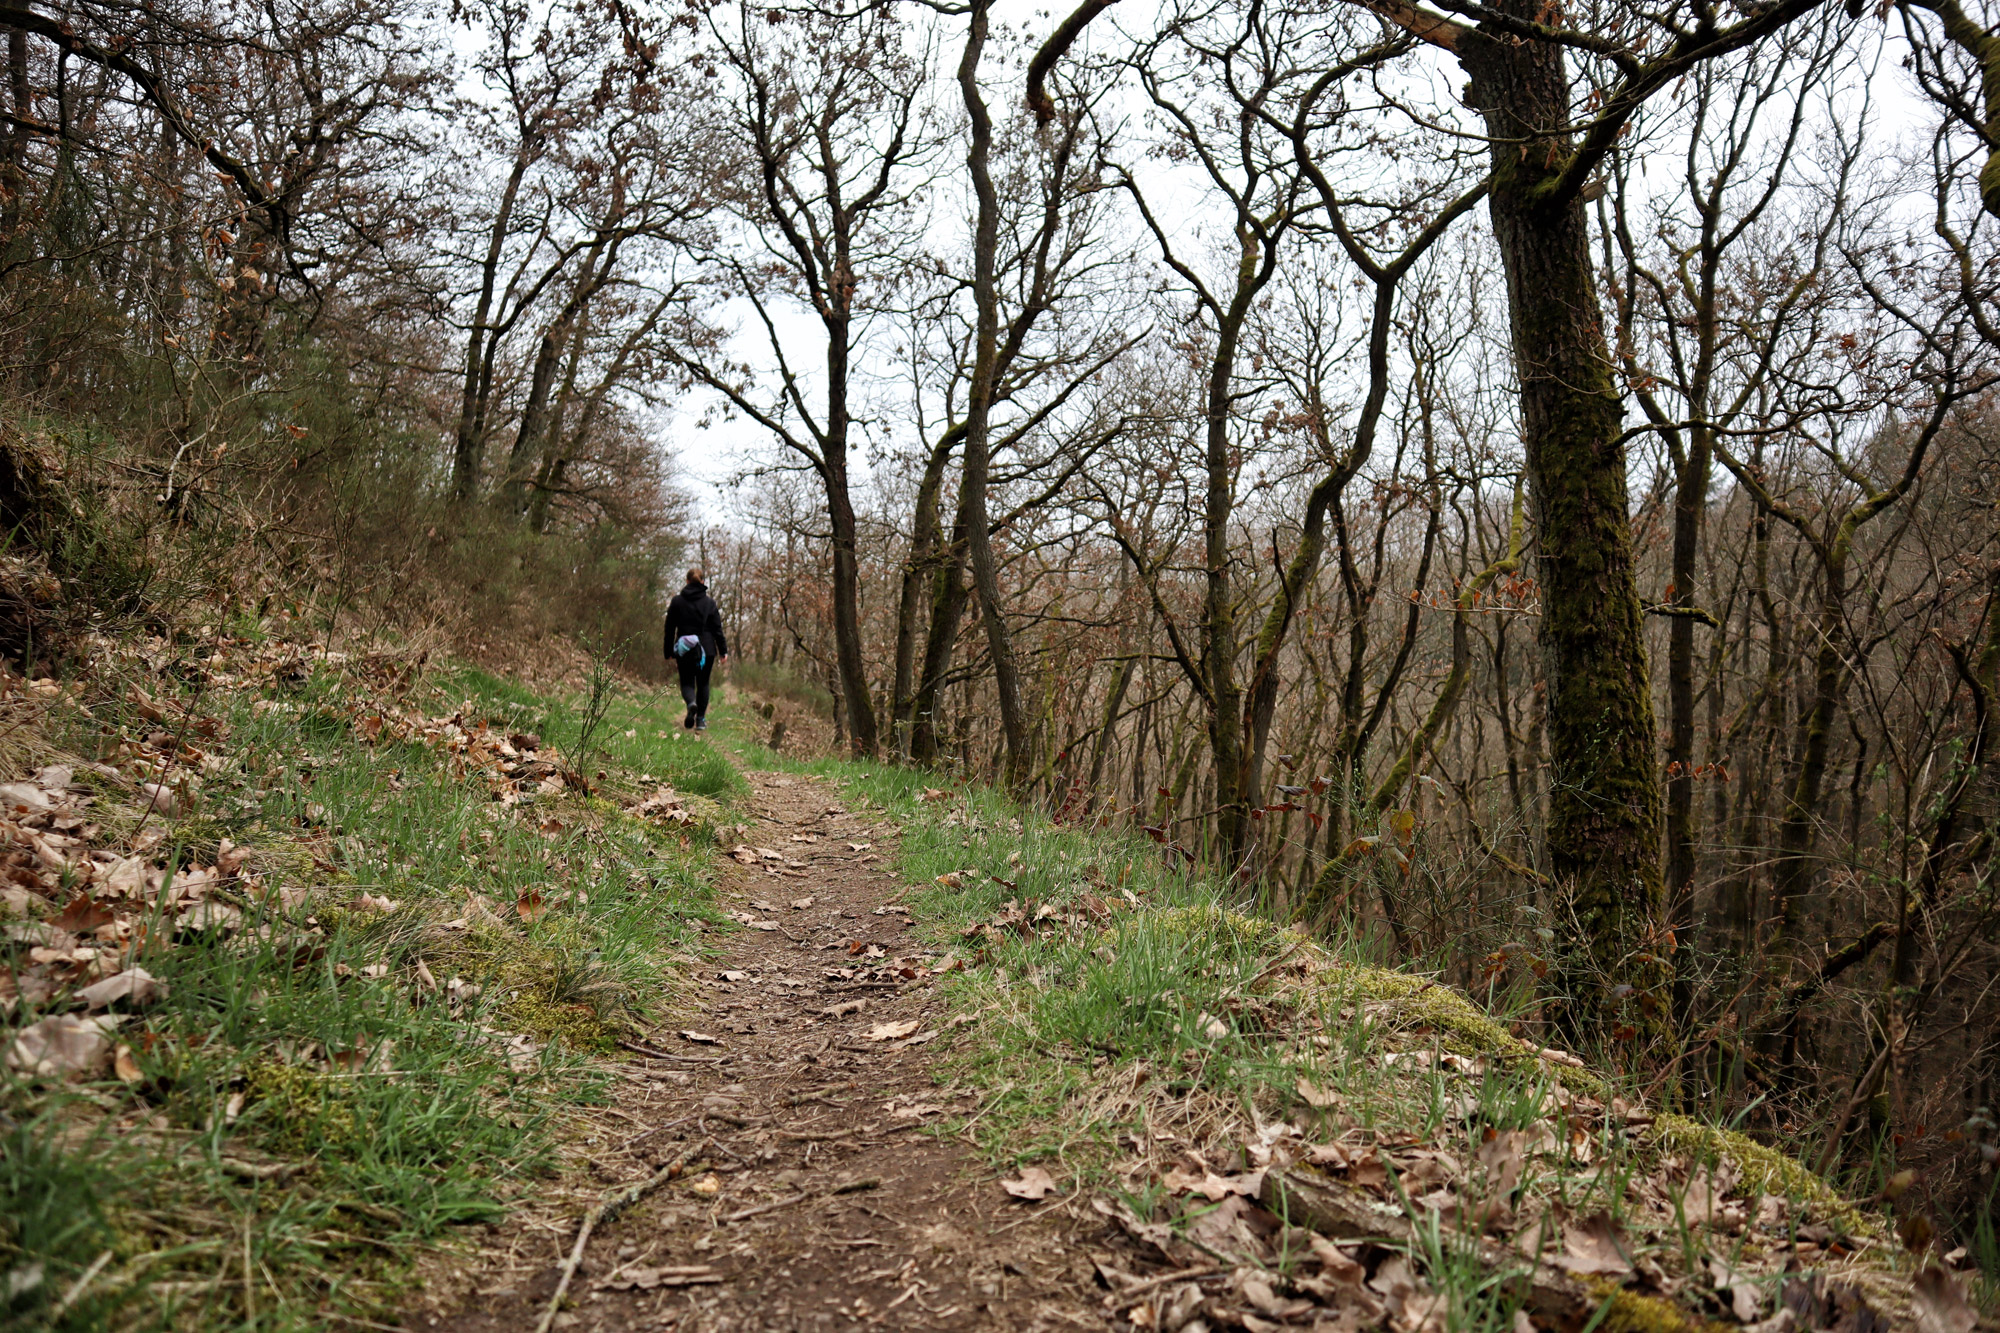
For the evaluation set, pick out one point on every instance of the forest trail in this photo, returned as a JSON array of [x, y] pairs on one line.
[[797, 1092]]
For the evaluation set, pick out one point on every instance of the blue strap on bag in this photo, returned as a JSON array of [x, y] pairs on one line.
[[691, 643]]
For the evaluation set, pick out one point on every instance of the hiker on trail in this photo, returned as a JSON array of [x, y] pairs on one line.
[[695, 643]]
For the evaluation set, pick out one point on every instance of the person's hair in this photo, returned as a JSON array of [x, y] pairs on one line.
[[694, 575]]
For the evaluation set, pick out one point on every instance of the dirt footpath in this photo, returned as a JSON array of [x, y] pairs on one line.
[[810, 1194]]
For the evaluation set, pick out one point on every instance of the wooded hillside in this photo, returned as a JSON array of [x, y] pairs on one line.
[[1518, 485]]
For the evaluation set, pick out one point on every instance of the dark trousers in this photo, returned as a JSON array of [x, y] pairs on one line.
[[694, 680]]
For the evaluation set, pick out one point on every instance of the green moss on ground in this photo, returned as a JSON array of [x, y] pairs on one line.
[[1764, 1168], [1631, 1312]]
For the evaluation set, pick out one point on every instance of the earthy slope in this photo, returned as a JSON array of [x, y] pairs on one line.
[[795, 1097], [1232, 1126]]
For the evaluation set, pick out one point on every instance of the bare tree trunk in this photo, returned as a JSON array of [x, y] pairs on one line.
[[979, 408], [468, 442], [1604, 807], [948, 595], [926, 541]]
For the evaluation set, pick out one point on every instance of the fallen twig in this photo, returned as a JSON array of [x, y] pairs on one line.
[[77, 1287], [1140, 1284], [606, 1209], [656, 1129], [743, 1214], [657, 1054], [1021, 1221]]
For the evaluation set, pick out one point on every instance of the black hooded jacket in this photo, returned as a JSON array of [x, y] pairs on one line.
[[693, 611]]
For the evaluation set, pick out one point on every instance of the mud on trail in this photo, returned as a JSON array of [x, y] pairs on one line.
[[788, 1109]]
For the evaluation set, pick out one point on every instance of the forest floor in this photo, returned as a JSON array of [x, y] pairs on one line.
[[338, 993], [789, 1110]]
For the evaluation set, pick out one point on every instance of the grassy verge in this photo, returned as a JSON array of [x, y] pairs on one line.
[[385, 936], [1144, 1036]]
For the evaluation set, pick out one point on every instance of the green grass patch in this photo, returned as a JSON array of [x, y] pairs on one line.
[[327, 1085], [1125, 1000]]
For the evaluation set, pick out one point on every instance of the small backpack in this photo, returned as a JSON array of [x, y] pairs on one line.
[[690, 643]]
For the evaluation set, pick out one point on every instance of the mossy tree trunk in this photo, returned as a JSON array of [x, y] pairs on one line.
[[1603, 831]]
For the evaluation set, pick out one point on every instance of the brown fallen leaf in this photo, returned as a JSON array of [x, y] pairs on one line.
[[135, 985], [82, 915], [1745, 1295], [1369, 1173], [1327, 1154], [1705, 1201], [1939, 1303], [529, 905], [1592, 1247], [125, 1066], [801, 904], [708, 1186], [1337, 1263], [161, 800], [365, 1055], [1212, 1187], [892, 1031], [62, 1047], [209, 916], [1502, 1154], [1034, 1184], [1258, 1292], [700, 1038], [1317, 1097]]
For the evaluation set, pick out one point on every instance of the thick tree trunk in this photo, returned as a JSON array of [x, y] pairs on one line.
[[1690, 507], [1225, 720], [979, 408], [948, 594], [926, 541], [530, 438], [847, 646], [1603, 829]]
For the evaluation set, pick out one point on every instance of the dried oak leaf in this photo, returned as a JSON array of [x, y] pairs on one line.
[[1592, 1247], [83, 914], [892, 1031], [1939, 1303], [1317, 1097], [1034, 1183], [135, 985], [62, 1047]]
